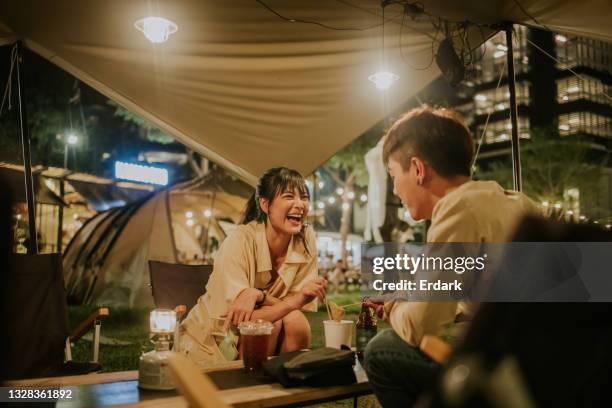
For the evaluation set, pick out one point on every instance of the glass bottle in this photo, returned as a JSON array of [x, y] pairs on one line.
[[366, 328]]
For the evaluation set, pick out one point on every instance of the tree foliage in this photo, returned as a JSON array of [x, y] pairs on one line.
[[148, 131], [551, 166]]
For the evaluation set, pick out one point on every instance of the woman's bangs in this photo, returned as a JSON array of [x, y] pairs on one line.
[[291, 182]]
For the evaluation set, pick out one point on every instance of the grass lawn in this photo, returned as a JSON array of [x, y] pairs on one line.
[[130, 329]]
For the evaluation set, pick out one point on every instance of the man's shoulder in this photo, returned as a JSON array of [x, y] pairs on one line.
[[478, 210]]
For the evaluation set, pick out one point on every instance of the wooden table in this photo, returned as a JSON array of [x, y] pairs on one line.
[[121, 389]]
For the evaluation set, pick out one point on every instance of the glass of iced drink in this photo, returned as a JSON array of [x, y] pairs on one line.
[[254, 339]]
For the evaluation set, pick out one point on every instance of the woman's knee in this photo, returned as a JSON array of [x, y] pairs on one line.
[[296, 327]]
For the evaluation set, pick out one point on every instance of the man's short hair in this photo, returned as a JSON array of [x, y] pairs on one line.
[[439, 136]]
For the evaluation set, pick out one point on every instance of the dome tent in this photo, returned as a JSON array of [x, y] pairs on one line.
[[107, 260]]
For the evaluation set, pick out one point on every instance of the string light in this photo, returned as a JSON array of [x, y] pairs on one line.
[[331, 200], [345, 206], [207, 213], [189, 214], [364, 198], [320, 205], [350, 195], [339, 191]]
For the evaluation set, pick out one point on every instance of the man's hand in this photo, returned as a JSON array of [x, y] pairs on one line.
[[242, 307], [377, 304]]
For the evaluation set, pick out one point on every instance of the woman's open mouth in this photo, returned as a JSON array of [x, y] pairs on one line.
[[295, 220]]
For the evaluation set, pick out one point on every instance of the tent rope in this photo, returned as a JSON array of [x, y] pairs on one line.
[[9, 87], [484, 131]]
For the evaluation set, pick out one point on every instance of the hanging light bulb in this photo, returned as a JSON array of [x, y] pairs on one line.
[[383, 79], [156, 29]]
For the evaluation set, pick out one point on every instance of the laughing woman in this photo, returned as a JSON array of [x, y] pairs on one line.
[[265, 269]]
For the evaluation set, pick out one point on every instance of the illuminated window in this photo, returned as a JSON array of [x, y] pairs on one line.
[[498, 99], [585, 122], [586, 52], [588, 88], [501, 131], [488, 69]]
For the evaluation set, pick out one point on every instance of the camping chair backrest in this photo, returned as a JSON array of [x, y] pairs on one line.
[[175, 284], [37, 298]]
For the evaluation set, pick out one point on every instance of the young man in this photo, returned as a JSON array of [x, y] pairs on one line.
[[428, 154]]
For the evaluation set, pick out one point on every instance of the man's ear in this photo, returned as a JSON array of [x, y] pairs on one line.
[[421, 170], [263, 204]]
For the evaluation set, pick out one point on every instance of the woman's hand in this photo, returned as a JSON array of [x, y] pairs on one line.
[[242, 307], [314, 289]]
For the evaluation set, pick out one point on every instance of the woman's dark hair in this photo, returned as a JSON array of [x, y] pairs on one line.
[[273, 182]]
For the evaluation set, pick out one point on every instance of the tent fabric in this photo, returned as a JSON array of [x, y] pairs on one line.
[[250, 90], [104, 196], [107, 261]]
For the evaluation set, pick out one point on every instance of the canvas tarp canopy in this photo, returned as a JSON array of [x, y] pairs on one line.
[[107, 260], [250, 90]]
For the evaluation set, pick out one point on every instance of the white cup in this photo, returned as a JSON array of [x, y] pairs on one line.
[[338, 333]]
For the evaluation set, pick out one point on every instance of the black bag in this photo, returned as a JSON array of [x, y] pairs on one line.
[[317, 368]]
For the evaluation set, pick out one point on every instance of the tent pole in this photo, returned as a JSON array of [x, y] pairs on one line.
[[27, 158], [516, 156], [60, 217]]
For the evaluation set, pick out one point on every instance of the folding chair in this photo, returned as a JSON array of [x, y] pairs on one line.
[[39, 341], [175, 284]]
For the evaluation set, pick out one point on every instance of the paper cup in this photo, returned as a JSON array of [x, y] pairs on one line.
[[338, 333]]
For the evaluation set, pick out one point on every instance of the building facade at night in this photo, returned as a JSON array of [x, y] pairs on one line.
[[549, 96]]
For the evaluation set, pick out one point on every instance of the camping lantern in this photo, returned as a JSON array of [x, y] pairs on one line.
[[153, 370]]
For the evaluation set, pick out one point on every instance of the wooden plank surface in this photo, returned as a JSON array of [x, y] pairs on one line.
[[74, 380], [264, 395]]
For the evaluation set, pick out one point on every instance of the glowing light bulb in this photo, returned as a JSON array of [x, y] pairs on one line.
[[331, 200], [156, 29], [345, 206], [72, 139], [364, 198], [207, 213], [189, 214], [320, 205], [383, 79]]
